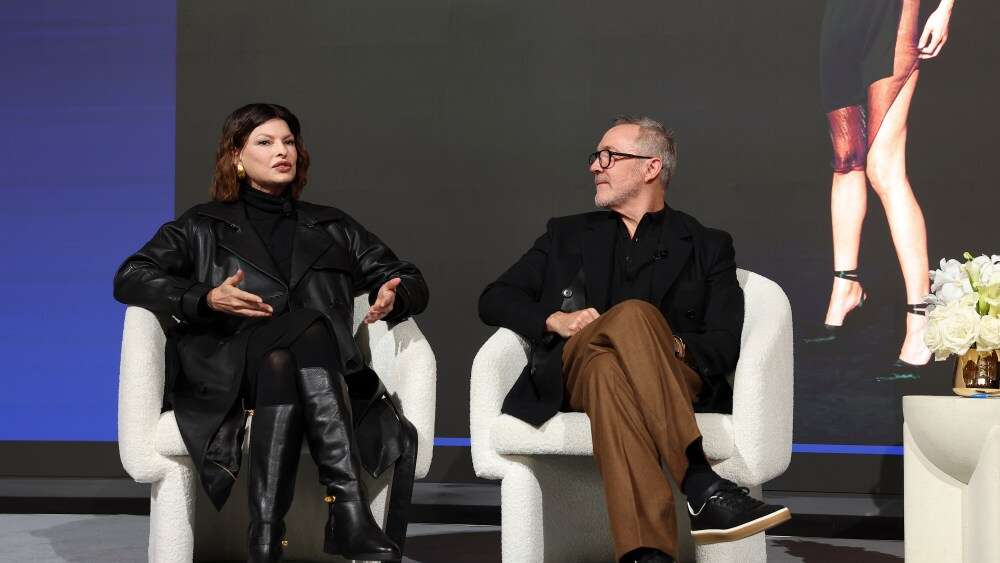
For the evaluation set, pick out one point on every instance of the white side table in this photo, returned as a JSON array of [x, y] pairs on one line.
[[951, 479]]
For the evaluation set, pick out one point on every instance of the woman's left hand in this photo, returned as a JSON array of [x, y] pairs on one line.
[[383, 302], [935, 33]]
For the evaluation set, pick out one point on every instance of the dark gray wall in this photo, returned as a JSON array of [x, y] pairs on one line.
[[455, 129]]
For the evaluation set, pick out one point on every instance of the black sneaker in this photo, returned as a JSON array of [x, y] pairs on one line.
[[731, 514]]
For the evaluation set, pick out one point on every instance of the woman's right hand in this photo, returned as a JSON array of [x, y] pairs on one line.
[[227, 298], [935, 33]]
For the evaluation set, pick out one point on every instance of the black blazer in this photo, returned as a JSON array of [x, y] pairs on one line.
[[569, 268]]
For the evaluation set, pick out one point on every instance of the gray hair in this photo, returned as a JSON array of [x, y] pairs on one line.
[[656, 140]]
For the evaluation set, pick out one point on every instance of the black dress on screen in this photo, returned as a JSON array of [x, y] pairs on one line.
[[868, 50]]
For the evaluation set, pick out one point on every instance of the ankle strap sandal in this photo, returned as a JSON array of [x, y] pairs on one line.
[[851, 275]]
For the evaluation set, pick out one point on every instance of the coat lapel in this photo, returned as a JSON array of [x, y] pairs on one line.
[[673, 253], [240, 238], [598, 241], [311, 241]]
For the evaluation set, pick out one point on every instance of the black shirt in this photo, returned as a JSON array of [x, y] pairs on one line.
[[274, 219], [632, 264]]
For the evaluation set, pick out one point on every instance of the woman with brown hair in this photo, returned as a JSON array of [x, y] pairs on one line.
[[870, 53], [261, 286]]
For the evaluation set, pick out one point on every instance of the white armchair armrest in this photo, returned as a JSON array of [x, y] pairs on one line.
[[406, 364], [762, 392], [495, 369], [140, 396]]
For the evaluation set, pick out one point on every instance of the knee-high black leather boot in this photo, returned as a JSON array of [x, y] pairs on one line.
[[275, 447], [351, 531]]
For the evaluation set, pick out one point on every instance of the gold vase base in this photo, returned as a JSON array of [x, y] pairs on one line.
[[977, 374], [974, 392]]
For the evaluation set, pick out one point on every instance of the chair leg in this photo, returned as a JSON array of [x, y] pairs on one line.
[[378, 494], [747, 550], [521, 536], [171, 515], [572, 528]]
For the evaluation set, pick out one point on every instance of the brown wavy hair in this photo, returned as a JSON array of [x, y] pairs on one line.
[[235, 130]]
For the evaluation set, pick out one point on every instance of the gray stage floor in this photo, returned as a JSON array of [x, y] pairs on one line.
[[46, 538]]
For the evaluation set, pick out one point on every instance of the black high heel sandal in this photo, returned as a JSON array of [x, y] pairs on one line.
[[829, 333], [901, 369]]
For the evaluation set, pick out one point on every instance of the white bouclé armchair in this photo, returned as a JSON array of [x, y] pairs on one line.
[[183, 524], [552, 502]]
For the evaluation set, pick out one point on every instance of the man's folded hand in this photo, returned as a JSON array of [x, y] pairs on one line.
[[568, 324]]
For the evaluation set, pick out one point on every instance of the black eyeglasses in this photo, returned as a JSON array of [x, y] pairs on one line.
[[605, 155]]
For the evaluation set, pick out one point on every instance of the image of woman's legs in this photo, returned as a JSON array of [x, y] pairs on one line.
[[848, 205], [887, 174], [869, 143]]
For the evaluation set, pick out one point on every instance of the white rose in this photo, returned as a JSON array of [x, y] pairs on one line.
[[981, 270], [933, 340], [989, 334], [951, 270], [959, 327], [953, 291], [949, 283], [969, 300], [989, 274]]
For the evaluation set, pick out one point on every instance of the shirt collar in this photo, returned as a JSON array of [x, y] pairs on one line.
[[651, 219]]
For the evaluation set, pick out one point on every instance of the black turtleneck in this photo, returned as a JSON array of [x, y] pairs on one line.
[[274, 219]]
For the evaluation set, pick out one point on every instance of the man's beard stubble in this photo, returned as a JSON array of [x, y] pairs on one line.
[[615, 199]]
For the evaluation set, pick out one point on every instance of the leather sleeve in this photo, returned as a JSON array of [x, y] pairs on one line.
[[158, 276], [376, 264], [714, 351], [514, 300]]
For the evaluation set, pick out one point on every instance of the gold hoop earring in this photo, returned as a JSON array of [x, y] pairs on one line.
[[240, 171]]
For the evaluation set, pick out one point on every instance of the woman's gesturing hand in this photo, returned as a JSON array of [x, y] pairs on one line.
[[383, 302], [227, 298], [935, 33]]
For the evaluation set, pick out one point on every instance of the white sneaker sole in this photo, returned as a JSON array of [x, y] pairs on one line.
[[743, 530]]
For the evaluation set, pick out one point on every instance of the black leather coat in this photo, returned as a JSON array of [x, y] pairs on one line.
[[569, 269], [334, 259]]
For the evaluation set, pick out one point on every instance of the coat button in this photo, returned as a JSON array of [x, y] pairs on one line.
[[567, 293], [690, 314]]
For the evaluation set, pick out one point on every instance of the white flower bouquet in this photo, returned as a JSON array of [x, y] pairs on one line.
[[963, 308]]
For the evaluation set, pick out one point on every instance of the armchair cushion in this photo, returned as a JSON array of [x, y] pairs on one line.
[[568, 433], [168, 436]]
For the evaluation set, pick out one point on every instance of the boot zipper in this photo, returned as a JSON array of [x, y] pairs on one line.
[[248, 425]]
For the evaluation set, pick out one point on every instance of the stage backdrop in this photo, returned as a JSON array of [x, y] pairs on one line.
[[88, 151], [455, 129]]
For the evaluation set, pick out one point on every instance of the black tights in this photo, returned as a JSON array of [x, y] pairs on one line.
[[276, 378]]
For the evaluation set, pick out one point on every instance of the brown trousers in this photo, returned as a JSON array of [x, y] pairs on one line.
[[622, 371]]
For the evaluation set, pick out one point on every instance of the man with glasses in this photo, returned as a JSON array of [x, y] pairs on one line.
[[635, 315]]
